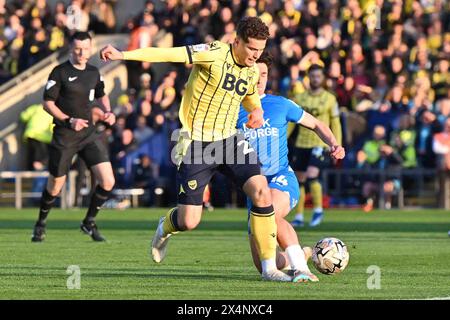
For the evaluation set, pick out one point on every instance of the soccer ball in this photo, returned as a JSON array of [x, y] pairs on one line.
[[330, 256]]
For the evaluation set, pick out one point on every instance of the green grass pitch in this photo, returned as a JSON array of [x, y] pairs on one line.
[[411, 248]]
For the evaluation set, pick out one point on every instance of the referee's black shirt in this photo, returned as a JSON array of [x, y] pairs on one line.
[[73, 91]]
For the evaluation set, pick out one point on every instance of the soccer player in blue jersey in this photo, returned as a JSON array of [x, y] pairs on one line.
[[270, 142]]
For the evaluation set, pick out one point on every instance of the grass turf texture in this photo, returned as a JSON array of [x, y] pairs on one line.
[[412, 250]]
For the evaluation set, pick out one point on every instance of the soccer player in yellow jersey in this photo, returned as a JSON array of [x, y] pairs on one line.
[[223, 77], [311, 154]]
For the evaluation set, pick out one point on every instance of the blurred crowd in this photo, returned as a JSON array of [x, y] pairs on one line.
[[30, 30], [387, 62]]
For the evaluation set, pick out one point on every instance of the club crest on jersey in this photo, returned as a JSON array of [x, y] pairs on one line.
[[192, 184], [230, 84]]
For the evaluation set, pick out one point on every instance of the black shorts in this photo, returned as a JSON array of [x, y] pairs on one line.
[[37, 151], [63, 148], [302, 158], [200, 160]]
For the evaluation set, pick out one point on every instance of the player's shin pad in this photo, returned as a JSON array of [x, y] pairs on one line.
[[170, 225], [264, 231]]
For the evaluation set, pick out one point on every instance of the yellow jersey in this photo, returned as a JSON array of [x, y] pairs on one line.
[[216, 87], [324, 107]]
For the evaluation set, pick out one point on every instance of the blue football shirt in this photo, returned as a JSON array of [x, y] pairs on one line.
[[270, 141]]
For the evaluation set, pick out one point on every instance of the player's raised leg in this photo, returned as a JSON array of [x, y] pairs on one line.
[[178, 219], [193, 176]]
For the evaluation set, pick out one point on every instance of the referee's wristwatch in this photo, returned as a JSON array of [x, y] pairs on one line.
[[69, 122]]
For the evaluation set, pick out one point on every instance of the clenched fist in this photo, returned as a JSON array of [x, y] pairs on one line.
[[109, 53], [337, 152], [255, 119]]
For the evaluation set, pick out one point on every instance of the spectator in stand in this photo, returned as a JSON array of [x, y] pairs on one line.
[[77, 16], [118, 128], [121, 146], [398, 100], [427, 125], [144, 84], [441, 146], [102, 16], [403, 141], [441, 79], [443, 111], [13, 28], [37, 135], [376, 154], [345, 93], [146, 110], [145, 174], [59, 34], [5, 75], [42, 11], [36, 48], [380, 115], [142, 132], [165, 95], [123, 106]]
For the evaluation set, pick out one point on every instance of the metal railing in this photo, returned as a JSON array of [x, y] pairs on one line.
[[343, 178], [67, 193]]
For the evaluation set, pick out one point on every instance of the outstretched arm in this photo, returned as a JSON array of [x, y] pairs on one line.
[[176, 54], [325, 133]]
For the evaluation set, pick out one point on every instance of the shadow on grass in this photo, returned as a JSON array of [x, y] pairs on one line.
[[129, 273], [238, 226]]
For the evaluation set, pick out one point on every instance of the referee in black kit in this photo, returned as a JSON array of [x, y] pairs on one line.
[[71, 89]]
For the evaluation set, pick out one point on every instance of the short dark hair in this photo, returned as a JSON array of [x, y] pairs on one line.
[[252, 27], [315, 67], [266, 58], [80, 35]]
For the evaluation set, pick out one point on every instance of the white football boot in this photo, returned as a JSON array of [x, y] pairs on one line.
[[304, 276], [276, 275], [159, 242]]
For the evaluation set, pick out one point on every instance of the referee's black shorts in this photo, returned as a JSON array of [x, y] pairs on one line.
[[63, 148], [200, 160]]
